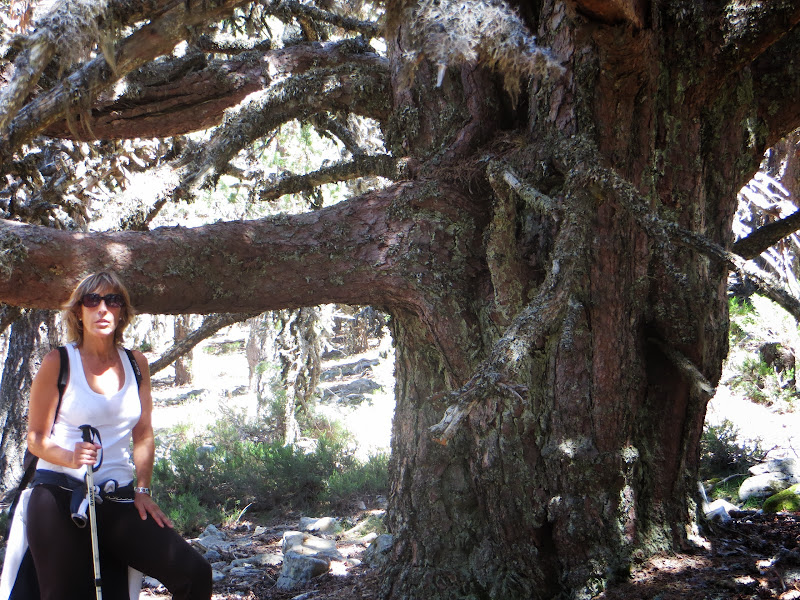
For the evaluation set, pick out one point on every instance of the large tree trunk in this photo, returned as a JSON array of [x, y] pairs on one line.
[[579, 449]]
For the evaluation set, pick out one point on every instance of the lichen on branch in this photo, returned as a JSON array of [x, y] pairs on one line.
[[70, 30], [361, 166], [12, 252], [454, 32], [300, 97]]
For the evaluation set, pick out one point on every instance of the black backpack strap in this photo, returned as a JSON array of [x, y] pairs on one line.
[[30, 461], [63, 376], [136, 370]]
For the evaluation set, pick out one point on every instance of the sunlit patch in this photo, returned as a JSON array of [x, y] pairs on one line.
[[568, 448], [338, 568]]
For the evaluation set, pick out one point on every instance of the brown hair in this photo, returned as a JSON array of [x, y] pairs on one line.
[[92, 283]]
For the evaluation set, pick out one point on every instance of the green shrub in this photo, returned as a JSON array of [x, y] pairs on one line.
[[371, 477], [221, 348], [187, 513], [760, 362], [722, 454], [236, 465]]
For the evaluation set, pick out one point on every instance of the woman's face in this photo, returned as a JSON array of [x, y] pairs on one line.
[[100, 311]]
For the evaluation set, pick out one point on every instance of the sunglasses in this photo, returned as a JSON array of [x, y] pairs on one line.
[[111, 300]]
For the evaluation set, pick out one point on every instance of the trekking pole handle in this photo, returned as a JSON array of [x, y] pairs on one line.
[[86, 430], [88, 434]]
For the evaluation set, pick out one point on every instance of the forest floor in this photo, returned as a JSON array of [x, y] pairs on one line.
[[752, 556], [747, 558]]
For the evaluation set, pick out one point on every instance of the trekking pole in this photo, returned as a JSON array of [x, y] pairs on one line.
[[87, 437]]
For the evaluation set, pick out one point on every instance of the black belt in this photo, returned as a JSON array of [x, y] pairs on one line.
[[79, 502]]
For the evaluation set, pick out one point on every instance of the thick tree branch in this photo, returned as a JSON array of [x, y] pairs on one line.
[[27, 69], [361, 166], [365, 251], [368, 29], [157, 37], [211, 324], [171, 99], [194, 101], [766, 236], [41, 46], [363, 91]]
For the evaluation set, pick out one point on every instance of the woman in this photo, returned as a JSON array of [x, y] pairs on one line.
[[101, 391]]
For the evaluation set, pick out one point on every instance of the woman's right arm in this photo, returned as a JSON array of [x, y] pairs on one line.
[[42, 413]]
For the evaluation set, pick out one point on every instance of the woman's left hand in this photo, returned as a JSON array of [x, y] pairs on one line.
[[147, 506]]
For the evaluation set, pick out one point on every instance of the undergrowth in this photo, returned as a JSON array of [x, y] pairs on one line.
[[722, 453], [725, 461], [215, 477], [760, 367], [761, 362]]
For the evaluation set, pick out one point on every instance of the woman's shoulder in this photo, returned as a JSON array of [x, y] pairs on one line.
[[53, 356], [51, 365], [140, 358]]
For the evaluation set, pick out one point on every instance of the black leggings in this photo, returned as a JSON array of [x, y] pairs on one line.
[[62, 552]]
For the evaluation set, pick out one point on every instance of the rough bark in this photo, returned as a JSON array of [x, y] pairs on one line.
[[596, 426], [297, 346], [26, 347], [288, 375]]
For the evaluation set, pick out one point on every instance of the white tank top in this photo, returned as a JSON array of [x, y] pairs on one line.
[[114, 416]]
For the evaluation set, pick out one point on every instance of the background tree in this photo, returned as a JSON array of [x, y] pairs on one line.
[[183, 365], [551, 241], [30, 339]]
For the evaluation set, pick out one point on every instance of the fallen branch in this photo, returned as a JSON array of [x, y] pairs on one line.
[[211, 324]]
